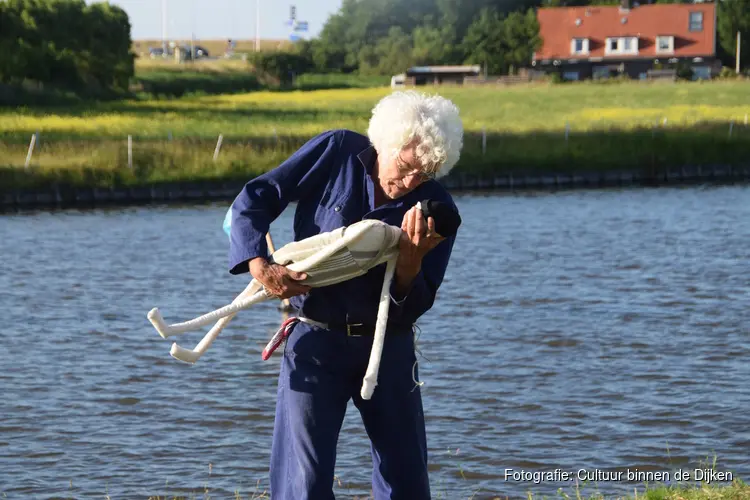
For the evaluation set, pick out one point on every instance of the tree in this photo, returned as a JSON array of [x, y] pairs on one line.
[[281, 67], [329, 50], [349, 38], [502, 44], [10, 31], [520, 38], [734, 16], [390, 55], [110, 61], [433, 45], [483, 43], [65, 43]]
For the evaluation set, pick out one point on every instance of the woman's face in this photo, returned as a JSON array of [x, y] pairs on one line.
[[401, 174]]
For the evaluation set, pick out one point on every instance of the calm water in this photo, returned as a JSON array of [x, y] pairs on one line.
[[598, 330]]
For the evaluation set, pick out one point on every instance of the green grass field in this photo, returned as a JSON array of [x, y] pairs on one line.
[[160, 78], [610, 126]]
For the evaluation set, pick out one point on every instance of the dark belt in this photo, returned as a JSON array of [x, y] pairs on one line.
[[354, 329], [363, 329]]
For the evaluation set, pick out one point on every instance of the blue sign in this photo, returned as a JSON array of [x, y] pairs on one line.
[[295, 25]]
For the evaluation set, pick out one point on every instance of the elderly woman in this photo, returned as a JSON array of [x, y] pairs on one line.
[[338, 178]]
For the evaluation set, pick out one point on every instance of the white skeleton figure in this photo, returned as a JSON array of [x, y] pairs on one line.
[[327, 259]]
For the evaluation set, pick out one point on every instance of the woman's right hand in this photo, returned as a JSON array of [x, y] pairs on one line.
[[278, 280]]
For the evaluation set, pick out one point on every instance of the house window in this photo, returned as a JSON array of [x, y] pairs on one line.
[[600, 72], [579, 46], [570, 75], [696, 21], [627, 45], [701, 72], [664, 44]]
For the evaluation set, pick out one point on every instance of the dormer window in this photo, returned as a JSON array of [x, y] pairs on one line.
[[626, 45], [696, 21], [664, 44], [579, 46]]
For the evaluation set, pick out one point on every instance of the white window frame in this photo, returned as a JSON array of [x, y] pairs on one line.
[[584, 47], [620, 50], [670, 49]]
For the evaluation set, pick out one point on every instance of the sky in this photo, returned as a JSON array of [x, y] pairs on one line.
[[223, 19]]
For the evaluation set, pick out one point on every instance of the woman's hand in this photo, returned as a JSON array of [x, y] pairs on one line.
[[278, 280], [417, 238]]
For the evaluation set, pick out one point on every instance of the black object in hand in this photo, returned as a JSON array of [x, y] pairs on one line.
[[446, 217]]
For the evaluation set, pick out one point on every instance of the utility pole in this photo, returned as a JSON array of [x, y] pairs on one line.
[[164, 27], [257, 25], [192, 32], [737, 69]]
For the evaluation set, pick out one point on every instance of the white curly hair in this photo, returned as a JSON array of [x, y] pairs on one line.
[[431, 123]]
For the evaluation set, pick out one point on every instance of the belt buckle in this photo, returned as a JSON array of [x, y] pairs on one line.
[[349, 329]]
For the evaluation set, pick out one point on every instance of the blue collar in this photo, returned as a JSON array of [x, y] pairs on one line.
[[368, 157]]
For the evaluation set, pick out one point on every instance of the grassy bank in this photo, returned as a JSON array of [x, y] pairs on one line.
[[166, 78], [543, 128], [215, 46], [159, 78]]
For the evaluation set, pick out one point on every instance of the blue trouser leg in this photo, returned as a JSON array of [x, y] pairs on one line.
[[320, 371], [312, 397], [394, 421]]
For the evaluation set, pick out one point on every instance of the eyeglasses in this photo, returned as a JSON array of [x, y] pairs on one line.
[[407, 171]]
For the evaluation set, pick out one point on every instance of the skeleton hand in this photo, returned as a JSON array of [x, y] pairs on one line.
[[278, 280]]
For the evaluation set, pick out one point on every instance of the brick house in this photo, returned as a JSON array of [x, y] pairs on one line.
[[603, 41]]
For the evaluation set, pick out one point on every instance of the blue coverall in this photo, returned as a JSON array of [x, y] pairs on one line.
[[322, 369]]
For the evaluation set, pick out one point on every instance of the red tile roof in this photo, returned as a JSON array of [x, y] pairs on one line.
[[558, 26]]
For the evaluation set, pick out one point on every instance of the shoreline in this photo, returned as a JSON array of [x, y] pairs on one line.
[[56, 196]]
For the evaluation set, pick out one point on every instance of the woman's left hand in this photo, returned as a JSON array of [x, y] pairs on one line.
[[417, 238]]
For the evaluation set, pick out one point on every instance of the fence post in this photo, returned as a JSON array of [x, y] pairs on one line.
[[218, 147], [484, 140], [746, 119], [130, 152], [567, 132], [32, 143], [731, 126]]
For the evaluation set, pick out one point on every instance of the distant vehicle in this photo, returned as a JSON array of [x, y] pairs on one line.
[[199, 51], [398, 81], [155, 52]]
